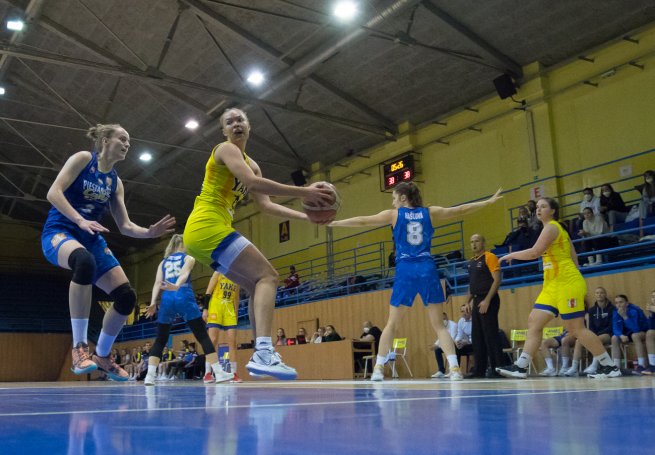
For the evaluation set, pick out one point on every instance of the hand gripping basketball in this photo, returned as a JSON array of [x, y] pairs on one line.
[[322, 213]]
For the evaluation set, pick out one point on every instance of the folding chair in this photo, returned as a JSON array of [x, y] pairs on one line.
[[399, 347], [517, 338]]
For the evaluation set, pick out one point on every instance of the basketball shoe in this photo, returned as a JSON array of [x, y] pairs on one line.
[[269, 363], [107, 365], [81, 362]]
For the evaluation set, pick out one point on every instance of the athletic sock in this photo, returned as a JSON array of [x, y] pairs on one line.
[[549, 362], [80, 327], [575, 365], [565, 363], [233, 367], [452, 361], [524, 360], [263, 343], [208, 367], [642, 361], [152, 370], [651, 360], [105, 341], [380, 360], [605, 360]]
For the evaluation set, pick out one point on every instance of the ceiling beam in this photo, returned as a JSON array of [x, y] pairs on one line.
[[160, 79], [511, 67], [260, 45], [32, 11]]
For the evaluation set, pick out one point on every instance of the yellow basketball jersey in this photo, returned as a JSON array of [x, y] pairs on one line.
[[221, 188], [557, 257], [225, 292]]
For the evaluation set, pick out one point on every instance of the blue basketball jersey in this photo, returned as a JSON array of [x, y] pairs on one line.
[[412, 234], [172, 268], [90, 194]]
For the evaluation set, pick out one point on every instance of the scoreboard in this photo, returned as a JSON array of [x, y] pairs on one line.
[[400, 170]]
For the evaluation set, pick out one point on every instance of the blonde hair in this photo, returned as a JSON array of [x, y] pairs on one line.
[[229, 109], [99, 132], [174, 245]]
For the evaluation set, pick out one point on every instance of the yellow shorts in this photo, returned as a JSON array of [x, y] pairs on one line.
[[205, 231], [221, 314], [563, 297]]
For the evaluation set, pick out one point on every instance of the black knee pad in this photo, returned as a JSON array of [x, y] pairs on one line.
[[124, 299], [83, 265]]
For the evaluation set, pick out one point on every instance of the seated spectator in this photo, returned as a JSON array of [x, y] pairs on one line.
[[137, 363], [331, 334], [588, 200], [533, 221], [293, 280], [353, 284], [520, 238], [612, 206], [167, 356], [281, 337], [370, 333], [594, 225], [463, 342], [124, 359], [563, 342], [647, 191], [301, 337], [193, 365], [650, 335], [599, 321], [174, 366], [318, 335], [392, 259], [438, 352], [629, 324]]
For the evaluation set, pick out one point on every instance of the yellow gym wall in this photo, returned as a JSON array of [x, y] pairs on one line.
[[576, 125]]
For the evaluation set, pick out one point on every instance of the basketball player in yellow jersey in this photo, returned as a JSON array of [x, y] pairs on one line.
[[220, 313], [210, 238], [563, 293]]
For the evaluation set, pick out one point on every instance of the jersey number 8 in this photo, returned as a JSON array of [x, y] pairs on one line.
[[414, 233]]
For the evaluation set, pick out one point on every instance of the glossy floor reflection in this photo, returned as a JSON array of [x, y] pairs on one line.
[[552, 416]]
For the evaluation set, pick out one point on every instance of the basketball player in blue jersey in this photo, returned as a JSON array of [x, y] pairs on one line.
[[84, 189], [416, 273], [174, 278]]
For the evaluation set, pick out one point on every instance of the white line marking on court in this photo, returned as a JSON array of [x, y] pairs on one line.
[[318, 403]]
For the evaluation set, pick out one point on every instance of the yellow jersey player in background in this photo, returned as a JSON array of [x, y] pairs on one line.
[[220, 314], [210, 238], [563, 293]]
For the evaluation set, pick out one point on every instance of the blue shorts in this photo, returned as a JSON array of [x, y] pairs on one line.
[[182, 302], [416, 277], [53, 238]]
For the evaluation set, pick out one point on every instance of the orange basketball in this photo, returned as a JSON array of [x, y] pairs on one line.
[[321, 214]]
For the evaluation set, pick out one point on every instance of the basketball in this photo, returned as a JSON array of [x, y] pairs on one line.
[[322, 214]]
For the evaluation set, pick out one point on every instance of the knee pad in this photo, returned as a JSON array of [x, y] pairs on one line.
[[124, 299], [83, 265]]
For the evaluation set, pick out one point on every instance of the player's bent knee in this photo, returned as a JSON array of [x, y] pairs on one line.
[[124, 299], [83, 265]]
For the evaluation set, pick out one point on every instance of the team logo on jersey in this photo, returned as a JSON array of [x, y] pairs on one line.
[[108, 252], [573, 303], [57, 239], [92, 169], [95, 192], [109, 181]]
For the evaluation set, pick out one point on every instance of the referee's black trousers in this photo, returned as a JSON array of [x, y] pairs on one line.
[[484, 332]]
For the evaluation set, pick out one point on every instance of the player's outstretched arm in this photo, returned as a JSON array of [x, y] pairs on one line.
[[446, 213], [383, 218]]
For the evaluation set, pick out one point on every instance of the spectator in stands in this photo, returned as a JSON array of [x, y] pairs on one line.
[[451, 326], [532, 212], [463, 340], [293, 280], [650, 335], [599, 321], [301, 336], [331, 334], [629, 324], [520, 238], [124, 358], [594, 225], [590, 200], [318, 335], [167, 356], [563, 342], [353, 284], [193, 368], [392, 259], [647, 191], [612, 206], [371, 332], [484, 281], [281, 337], [136, 363]]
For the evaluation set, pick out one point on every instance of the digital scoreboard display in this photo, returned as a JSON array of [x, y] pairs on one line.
[[400, 170]]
